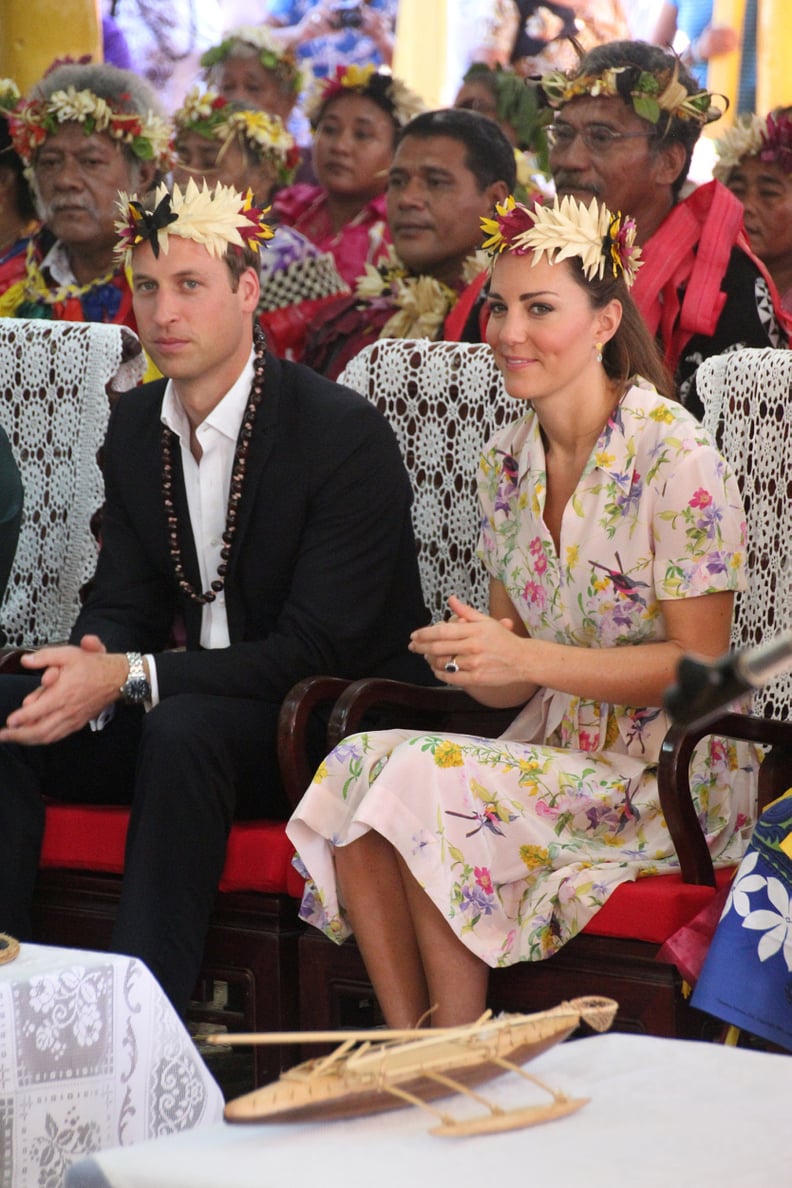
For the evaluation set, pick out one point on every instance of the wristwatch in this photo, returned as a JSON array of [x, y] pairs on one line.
[[136, 687]]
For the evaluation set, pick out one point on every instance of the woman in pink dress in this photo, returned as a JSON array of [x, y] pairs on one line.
[[355, 115], [613, 534]]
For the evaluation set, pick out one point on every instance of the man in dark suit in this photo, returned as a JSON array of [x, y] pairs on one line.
[[264, 507]]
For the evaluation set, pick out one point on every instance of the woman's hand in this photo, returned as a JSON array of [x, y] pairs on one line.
[[487, 653]]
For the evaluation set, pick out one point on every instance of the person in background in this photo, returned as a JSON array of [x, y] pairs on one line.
[[266, 509], [356, 115], [333, 33], [531, 38], [450, 168], [252, 65], [513, 104], [754, 161], [613, 534], [18, 218], [705, 41], [625, 125], [220, 140], [87, 132]]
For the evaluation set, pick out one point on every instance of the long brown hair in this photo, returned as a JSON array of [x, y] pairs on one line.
[[632, 350]]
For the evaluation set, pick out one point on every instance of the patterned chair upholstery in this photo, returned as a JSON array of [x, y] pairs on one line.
[[749, 399]]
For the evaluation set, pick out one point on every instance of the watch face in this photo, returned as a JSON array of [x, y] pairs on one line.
[[136, 689]]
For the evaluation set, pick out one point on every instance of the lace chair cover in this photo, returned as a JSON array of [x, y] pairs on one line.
[[55, 378], [444, 400], [747, 398]]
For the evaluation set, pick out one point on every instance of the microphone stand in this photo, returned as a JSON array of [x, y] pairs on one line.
[[704, 687]]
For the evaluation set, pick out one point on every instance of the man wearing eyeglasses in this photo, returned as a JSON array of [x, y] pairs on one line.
[[624, 131]]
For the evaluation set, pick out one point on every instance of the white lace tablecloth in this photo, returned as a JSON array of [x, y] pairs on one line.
[[92, 1055], [662, 1114]]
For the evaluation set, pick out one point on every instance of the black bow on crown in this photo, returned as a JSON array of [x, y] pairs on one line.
[[148, 222]]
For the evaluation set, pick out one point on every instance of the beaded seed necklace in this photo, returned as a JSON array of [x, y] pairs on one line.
[[235, 488]]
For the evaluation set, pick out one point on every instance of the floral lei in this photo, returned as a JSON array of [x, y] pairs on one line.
[[753, 136], [649, 93], [271, 53], [363, 80], [101, 300], [34, 120], [422, 302], [566, 229], [208, 114]]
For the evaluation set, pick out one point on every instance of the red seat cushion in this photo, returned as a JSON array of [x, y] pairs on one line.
[[652, 909], [83, 837], [87, 837]]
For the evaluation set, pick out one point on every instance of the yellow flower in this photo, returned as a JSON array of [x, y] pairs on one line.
[[572, 555], [604, 460], [533, 856], [448, 754], [321, 773], [357, 76], [662, 414]]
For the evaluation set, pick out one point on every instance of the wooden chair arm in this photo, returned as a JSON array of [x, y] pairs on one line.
[[417, 706], [304, 699], [673, 780]]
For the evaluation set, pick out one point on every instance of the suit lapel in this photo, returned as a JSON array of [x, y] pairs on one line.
[[261, 446]]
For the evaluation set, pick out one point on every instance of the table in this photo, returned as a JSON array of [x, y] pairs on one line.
[[661, 1112], [92, 1055]]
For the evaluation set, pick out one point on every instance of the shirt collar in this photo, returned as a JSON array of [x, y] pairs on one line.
[[225, 417]]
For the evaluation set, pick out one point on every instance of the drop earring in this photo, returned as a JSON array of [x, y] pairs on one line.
[[598, 349]]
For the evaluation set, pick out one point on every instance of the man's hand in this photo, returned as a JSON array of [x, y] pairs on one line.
[[77, 683]]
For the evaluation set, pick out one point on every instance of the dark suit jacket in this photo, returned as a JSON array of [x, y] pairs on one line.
[[322, 575]]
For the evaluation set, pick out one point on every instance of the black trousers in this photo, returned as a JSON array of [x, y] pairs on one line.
[[188, 768]]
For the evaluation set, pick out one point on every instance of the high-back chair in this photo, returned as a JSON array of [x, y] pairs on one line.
[[616, 953], [55, 379]]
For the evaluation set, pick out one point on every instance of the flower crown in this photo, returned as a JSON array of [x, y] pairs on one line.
[[566, 229], [272, 54], [768, 139], [650, 93], [213, 117], [389, 92], [217, 219], [147, 136], [9, 94]]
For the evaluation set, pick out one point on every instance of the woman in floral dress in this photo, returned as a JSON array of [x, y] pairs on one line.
[[613, 534]]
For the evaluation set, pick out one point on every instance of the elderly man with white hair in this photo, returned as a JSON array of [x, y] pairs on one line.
[[86, 132]]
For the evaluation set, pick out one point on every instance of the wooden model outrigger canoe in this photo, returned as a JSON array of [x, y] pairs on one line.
[[391, 1069]]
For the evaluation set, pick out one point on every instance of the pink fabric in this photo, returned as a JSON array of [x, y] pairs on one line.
[[688, 255], [362, 241]]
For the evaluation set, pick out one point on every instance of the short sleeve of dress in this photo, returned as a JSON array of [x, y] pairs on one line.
[[699, 527]]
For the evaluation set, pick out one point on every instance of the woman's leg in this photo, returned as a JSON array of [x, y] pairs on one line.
[[414, 959], [456, 978], [371, 889]]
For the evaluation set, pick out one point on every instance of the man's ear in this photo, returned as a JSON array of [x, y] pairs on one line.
[[496, 192], [147, 174], [669, 161], [249, 289]]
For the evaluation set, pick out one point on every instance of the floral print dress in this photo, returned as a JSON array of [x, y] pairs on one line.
[[519, 840]]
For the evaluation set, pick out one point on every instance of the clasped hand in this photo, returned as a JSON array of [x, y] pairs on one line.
[[486, 651], [77, 683]]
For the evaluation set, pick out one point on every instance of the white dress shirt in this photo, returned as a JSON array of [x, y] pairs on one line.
[[207, 484]]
